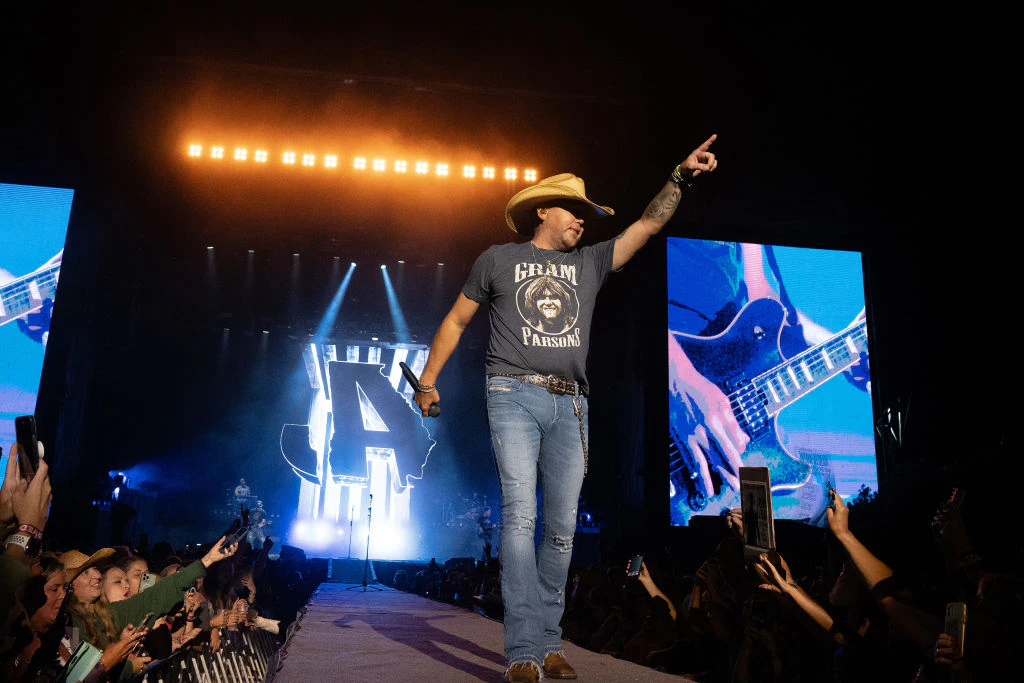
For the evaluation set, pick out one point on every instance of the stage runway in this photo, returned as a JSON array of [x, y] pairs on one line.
[[390, 635]]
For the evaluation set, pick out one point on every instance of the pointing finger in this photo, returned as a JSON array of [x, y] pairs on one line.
[[707, 143]]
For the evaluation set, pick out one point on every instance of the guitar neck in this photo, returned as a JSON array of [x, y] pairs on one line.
[[27, 293], [798, 376]]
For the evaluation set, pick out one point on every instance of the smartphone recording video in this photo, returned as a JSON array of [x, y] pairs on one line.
[[956, 620], [28, 444], [634, 565]]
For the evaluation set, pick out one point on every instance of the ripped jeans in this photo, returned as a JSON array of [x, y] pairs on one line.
[[534, 433]]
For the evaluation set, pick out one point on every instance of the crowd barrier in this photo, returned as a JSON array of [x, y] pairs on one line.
[[245, 656]]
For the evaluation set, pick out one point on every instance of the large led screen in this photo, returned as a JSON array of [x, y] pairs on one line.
[[767, 367], [33, 226]]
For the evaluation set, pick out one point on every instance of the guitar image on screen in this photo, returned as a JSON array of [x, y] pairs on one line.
[[746, 363], [29, 299]]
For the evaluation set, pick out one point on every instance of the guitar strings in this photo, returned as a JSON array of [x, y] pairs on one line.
[[22, 289], [835, 348]]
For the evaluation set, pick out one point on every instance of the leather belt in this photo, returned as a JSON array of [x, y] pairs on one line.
[[554, 385]]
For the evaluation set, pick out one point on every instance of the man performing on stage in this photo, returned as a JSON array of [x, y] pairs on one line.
[[537, 387]]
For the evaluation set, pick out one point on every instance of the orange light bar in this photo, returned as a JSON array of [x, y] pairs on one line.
[[379, 164]]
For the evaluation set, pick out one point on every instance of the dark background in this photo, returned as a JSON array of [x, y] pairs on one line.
[[856, 127]]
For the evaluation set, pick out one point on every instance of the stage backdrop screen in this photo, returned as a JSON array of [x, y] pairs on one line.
[[767, 367], [33, 226]]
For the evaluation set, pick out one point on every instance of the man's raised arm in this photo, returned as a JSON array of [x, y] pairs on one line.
[[664, 205], [445, 341]]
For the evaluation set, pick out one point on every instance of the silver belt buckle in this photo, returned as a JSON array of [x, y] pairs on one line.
[[557, 385]]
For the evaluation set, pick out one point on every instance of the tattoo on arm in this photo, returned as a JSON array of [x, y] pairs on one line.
[[664, 205]]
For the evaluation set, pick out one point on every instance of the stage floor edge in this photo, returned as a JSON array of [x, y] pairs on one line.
[[349, 633]]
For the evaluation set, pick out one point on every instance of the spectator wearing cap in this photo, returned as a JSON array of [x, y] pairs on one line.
[[102, 621]]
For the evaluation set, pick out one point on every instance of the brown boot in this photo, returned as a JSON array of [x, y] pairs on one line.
[[523, 672], [555, 666]]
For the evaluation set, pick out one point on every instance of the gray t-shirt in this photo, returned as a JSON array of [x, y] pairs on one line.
[[541, 303]]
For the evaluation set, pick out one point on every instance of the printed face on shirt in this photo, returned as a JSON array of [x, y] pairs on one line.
[[548, 305]]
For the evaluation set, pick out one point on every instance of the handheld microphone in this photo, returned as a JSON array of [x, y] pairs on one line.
[[414, 381]]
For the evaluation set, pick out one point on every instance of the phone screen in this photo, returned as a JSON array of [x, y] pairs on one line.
[[634, 565], [28, 444], [956, 617]]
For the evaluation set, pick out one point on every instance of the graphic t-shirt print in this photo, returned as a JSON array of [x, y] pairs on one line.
[[547, 302]]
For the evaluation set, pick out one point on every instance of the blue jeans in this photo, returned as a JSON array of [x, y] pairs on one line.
[[533, 431]]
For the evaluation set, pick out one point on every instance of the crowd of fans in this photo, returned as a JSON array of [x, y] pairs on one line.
[[864, 600], [114, 614], [876, 597]]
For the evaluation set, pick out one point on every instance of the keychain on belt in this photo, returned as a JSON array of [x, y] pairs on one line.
[[577, 408]]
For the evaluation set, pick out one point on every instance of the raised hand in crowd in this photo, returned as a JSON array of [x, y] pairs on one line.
[[782, 582], [951, 535], [117, 652], [12, 480], [944, 653], [734, 521], [771, 578], [24, 503], [652, 589], [216, 553], [184, 635], [916, 624], [16, 485]]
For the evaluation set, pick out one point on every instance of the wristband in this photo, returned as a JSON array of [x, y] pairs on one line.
[[885, 588], [678, 178], [427, 388], [29, 530], [18, 539]]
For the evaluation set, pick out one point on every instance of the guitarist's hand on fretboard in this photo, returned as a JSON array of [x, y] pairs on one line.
[[703, 422]]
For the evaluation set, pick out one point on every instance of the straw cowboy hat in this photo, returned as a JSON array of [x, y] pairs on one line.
[[76, 562], [564, 186]]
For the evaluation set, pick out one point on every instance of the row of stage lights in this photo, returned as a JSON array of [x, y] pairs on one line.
[[353, 264], [290, 158]]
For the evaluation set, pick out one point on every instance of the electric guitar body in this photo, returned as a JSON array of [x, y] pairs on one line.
[[745, 361]]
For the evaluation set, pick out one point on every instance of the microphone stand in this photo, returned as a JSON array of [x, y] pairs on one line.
[[351, 515], [366, 563]]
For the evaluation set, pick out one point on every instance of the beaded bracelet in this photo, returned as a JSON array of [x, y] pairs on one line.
[[678, 178]]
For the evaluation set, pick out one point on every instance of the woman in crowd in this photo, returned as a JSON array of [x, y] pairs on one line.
[[100, 621], [134, 567], [116, 586]]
